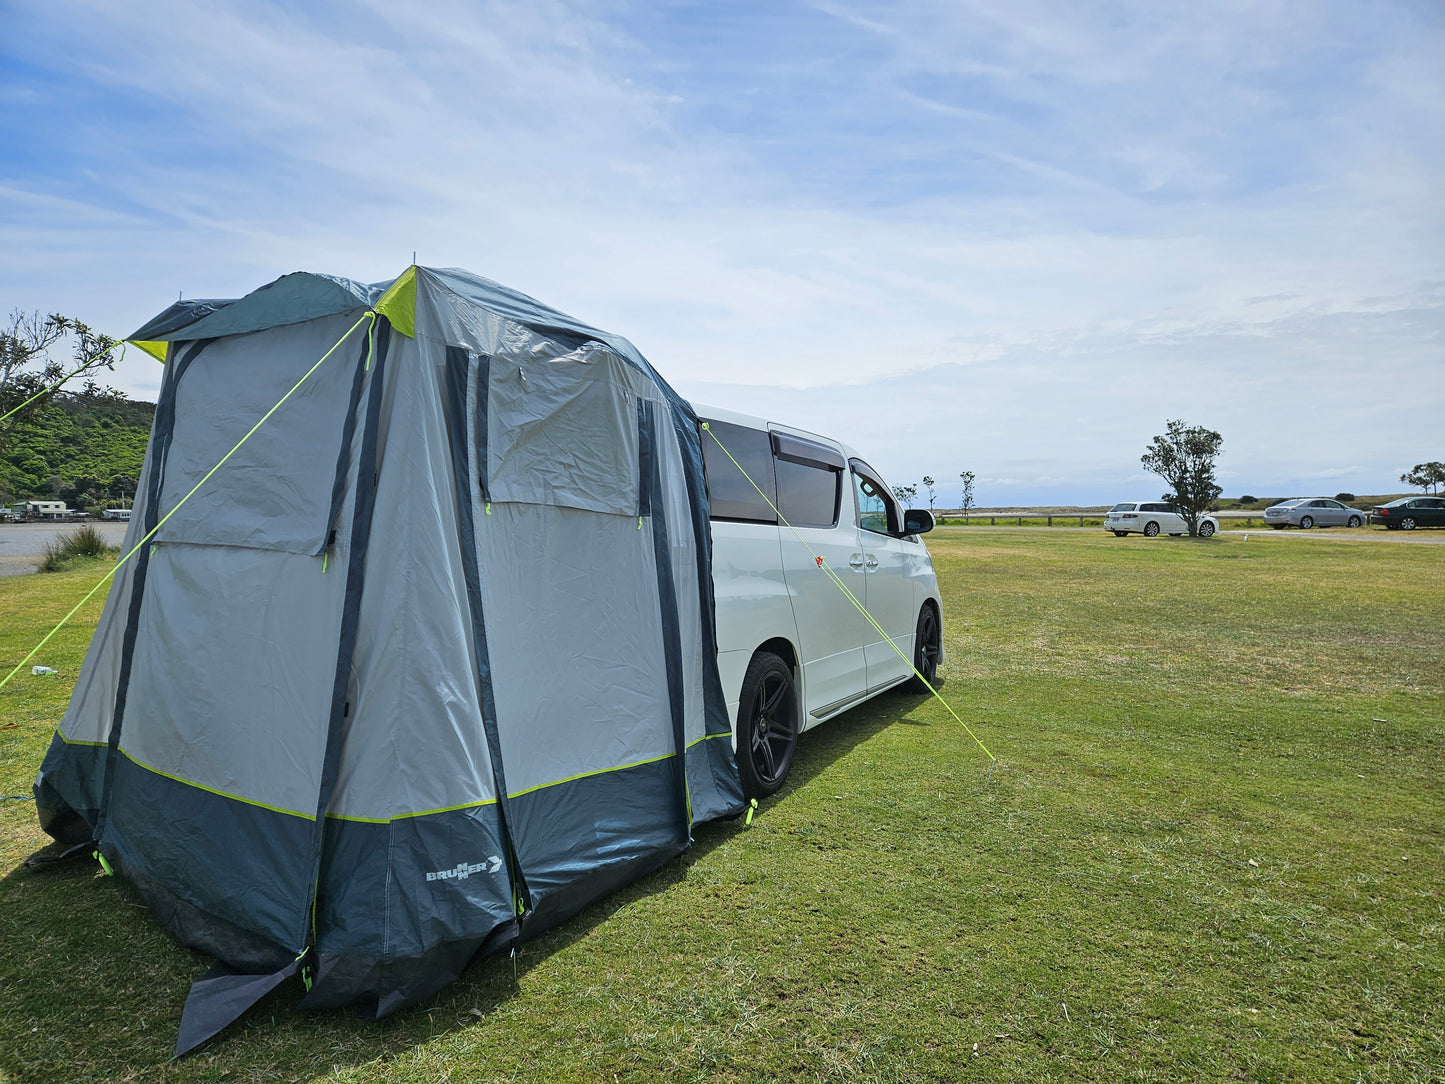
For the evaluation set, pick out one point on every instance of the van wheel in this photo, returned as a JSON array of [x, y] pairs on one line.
[[925, 652], [767, 725], [1206, 529], [1151, 530]]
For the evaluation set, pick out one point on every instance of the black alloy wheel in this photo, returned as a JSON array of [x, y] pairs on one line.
[[926, 649], [1151, 530], [767, 725]]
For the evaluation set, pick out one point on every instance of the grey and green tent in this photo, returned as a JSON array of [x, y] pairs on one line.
[[427, 665]]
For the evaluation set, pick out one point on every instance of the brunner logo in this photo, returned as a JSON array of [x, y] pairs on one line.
[[462, 870]]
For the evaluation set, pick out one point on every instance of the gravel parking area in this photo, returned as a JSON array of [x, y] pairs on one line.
[[22, 543]]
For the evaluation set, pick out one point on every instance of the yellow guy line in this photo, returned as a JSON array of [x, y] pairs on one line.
[[62, 380], [149, 534], [832, 575]]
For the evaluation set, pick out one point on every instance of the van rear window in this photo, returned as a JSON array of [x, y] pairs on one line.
[[730, 495]]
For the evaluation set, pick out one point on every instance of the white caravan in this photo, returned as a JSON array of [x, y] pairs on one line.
[[793, 649]]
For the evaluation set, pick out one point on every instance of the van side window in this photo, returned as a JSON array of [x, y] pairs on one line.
[[876, 511], [808, 495], [730, 495]]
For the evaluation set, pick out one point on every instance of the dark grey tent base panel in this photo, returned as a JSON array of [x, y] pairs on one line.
[[166, 832], [712, 779], [582, 839], [242, 949], [67, 793], [378, 988], [377, 901]]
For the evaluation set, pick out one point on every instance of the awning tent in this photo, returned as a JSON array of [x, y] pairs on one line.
[[425, 667]]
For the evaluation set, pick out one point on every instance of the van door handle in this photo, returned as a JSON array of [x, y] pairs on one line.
[[872, 561], [856, 562]]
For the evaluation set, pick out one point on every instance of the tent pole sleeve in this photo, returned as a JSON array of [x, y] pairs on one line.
[[458, 376], [343, 454], [667, 597]]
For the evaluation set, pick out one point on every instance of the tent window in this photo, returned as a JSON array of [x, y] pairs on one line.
[[730, 495]]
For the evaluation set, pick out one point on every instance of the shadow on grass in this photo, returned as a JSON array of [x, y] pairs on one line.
[[94, 986]]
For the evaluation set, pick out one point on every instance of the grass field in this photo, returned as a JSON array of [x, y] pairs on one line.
[[1213, 848]]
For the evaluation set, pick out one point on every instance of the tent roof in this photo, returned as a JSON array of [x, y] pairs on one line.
[[306, 295], [291, 299]]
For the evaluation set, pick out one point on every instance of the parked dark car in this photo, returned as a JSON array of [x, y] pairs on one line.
[[1410, 512]]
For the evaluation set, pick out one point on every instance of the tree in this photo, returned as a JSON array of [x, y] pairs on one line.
[[27, 369], [928, 485], [966, 501], [1428, 476], [905, 494], [1184, 457]]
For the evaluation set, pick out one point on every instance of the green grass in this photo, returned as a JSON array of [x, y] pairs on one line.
[[1213, 849]]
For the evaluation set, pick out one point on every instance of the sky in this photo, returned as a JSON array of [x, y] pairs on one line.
[[1014, 238]]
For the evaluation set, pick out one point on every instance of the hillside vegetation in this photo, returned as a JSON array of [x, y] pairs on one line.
[[85, 449]]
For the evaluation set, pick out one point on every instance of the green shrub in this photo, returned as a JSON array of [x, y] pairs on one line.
[[85, 541]]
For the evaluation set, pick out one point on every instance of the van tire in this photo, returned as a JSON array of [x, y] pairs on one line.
[[767, 725], [926, 640]]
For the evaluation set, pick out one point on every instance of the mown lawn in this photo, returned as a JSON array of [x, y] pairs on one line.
[[1213, 849]]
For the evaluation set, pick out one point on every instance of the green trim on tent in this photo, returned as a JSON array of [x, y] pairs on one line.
[[710, 737], [410, 816], [588, 775], [213, 790], [156, 350], [398, 304], [77, 741]]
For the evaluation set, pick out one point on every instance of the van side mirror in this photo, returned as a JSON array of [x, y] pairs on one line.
[[917, 521]]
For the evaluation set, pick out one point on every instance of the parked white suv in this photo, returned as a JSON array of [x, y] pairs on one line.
[[1149, 518], [793, 650]]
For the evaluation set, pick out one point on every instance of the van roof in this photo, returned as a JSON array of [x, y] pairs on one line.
[[752, 421]]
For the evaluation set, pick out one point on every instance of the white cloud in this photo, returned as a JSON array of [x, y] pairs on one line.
[[978, 210]]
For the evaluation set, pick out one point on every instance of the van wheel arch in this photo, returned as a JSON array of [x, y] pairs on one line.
[[926, 654], [769, 721]]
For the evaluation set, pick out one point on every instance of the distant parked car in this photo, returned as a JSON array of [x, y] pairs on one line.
[[1149, 518], [1410, 512], [1307, 512]]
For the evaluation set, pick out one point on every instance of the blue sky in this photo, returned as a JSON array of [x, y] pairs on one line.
[[1014, 238]]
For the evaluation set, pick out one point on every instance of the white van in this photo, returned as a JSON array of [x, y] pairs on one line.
[[793, 649]]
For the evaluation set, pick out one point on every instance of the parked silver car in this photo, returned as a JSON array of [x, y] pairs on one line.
[[1307, 512]]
